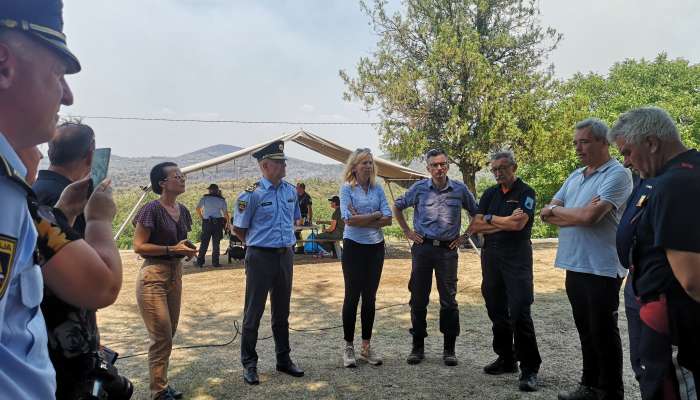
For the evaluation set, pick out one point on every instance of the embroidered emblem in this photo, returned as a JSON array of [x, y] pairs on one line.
[[8, 247], [529, 203]]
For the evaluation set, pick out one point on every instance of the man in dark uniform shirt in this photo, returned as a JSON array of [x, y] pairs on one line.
[[505, 218], [661, 245], [305, 206], [73, 333]]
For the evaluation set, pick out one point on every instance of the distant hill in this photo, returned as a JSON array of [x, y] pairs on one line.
[[132, 171]]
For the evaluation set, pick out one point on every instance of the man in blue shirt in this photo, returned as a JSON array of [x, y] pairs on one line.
[[214, 214], [587, 210], [264, 221], [33, 61], [437, 218]]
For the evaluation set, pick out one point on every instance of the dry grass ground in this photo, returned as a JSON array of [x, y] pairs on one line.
[[212, 301]]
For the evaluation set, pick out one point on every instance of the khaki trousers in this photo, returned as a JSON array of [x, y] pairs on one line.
[[158, 291]]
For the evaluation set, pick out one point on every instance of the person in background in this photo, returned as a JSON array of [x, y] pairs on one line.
[[213, 212], [364, 209], [336, 226], [264, 221], [160, 238], [587, 210], [307, 213]]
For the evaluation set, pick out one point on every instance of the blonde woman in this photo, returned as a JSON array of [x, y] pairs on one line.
[[364, 209]]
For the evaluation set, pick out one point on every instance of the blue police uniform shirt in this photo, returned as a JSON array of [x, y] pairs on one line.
[[364, 203], [212, 206], [437, 213], [268, 213], [25, 369]]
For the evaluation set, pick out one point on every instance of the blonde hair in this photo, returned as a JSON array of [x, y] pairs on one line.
[[356, 157]]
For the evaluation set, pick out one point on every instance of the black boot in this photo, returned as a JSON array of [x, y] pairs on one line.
[[417, 352], [448, 353]]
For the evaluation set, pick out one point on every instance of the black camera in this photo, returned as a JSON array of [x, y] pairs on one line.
[[103, 380]]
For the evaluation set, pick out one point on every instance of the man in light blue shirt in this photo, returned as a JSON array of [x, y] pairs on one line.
[[587, 209], [35, 58], [264, 220], [215, 217]]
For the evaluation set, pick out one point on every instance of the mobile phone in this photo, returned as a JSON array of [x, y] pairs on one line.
[[100, 165], [189, 244]]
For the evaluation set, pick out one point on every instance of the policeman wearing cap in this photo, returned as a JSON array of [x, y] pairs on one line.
[[214, 214], [437, 217], [505, 218], [31, 45], [265, 215]]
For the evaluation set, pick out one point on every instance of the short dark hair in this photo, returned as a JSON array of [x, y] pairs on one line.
[[301, 185], [158, 175], [434, 153], [73, 142]]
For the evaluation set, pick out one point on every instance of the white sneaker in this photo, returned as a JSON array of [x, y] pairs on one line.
[[368, 355], [349, 357]]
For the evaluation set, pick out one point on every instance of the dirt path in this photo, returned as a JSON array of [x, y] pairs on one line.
[[212, 301]]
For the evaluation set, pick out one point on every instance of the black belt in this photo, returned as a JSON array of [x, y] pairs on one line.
[[436, 243], [276, 250]]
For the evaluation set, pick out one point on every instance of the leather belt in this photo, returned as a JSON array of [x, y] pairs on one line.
[[276, 250], [436, 242]]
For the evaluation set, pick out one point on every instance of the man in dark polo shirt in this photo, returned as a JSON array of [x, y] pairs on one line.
[[660, 243], [72, 331], [305, 206], [505, 218]]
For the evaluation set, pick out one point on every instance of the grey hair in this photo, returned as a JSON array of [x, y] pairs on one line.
[[640, 123], [597, 127], [503, 153]]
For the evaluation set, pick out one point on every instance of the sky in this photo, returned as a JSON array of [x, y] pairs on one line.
[[278, 60]]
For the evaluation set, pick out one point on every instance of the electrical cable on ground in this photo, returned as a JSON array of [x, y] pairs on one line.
[[237, 331]]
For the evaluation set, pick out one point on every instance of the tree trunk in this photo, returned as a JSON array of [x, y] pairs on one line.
[[469, 177]]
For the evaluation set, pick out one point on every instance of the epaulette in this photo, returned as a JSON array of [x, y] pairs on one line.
[[9, 172], [251, 188]]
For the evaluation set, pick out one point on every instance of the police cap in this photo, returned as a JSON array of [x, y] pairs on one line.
[[43, 20], [273, 151]]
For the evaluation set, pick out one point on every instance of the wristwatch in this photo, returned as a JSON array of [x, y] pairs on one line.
[[488, 218]]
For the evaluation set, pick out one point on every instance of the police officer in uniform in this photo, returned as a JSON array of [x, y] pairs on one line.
[[505, 218], [659, 240], [264, 220], [31, 45], [438, 204], [214, 214]]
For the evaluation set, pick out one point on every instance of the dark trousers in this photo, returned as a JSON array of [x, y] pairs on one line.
[[266, 272], [427, 258], [362, 270], [507, 288], [212, 228], [634, 327], [594, 302]]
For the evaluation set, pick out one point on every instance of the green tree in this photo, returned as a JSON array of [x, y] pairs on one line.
[[463, 75]]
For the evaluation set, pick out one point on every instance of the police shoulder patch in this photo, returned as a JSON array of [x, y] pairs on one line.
[[242, 204], [529, 203], [251, 188], [8, 247]]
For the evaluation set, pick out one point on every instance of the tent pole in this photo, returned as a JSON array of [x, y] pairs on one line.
[[131, 214], [393, 200]]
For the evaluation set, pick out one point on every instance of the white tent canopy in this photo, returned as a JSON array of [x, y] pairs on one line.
[[387, 170]]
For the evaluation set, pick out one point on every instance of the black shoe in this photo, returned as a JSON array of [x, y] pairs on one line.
[[291, 369], [176, 394], [583, 392], [449, 358], [528, 382], [417, 355], [501, 366], [216, 265], [199, 264], [164, 395], [250, 376]]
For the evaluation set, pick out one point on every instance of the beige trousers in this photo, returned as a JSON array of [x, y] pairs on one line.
[[158, 291]]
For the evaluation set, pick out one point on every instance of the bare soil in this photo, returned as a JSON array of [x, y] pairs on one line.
[[212, 302]]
